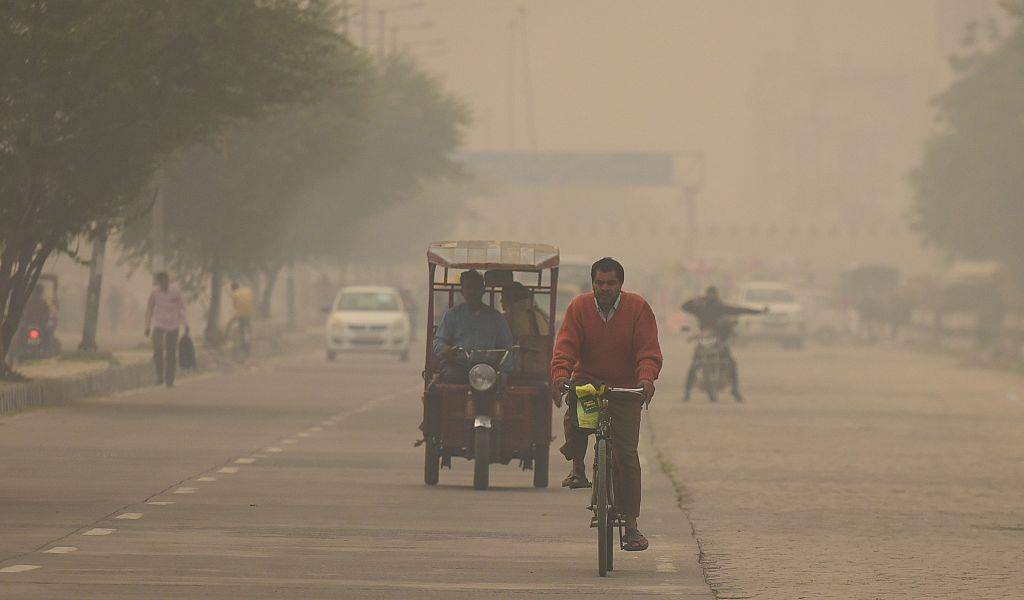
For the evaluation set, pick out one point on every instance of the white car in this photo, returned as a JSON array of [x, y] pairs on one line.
[[784, 322], [368, 319]]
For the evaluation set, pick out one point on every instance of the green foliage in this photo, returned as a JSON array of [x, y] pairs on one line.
[[970, 185], [94, 94], [290, 186]]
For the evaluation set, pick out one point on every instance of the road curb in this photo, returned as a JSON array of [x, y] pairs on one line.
[[18, 397]]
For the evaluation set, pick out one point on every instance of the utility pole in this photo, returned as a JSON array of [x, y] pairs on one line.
[[157, 221], [531, 126], [692, 181], [344, 18], [364, 23], [382, 16], [511, 91]]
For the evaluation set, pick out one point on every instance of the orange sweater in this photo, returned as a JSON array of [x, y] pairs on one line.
[[621, 352]]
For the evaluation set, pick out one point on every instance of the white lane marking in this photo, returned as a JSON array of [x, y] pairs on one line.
[[303, 434], [20, 568], [207, 478], [315, 429], [160, 502], [129, 516], [99, 531], [185, 490], [228, 470], [328, 422], [60, 550], [275, 449], [244, 461], [289, 441], [259, 455]]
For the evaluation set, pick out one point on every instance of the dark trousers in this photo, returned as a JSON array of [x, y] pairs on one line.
[[625, 431], [730, 365], [165, 354]]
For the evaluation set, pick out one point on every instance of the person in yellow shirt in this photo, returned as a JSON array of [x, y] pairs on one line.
[[242, 301], [523, 315]]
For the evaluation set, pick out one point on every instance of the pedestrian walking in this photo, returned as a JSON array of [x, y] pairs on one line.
[[165, 312]]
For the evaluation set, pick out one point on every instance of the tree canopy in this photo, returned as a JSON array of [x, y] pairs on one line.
[[970, 185], [94, 94]]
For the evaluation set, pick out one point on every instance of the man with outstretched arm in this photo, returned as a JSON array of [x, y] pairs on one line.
[[610, 336]]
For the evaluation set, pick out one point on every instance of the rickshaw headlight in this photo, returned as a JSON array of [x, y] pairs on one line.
[[482, 377]]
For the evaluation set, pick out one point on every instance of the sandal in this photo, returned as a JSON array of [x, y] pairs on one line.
[[575, 481], [634, 541]]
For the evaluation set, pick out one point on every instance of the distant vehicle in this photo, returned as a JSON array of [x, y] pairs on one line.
[[36, 337], [784, 322], [369, 319]]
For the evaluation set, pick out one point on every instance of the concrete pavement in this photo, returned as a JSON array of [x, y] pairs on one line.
[[852, 472], [297, 479]]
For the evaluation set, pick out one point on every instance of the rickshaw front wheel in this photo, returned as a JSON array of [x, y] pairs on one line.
[[540, 465], [482, 458], [431, 464]]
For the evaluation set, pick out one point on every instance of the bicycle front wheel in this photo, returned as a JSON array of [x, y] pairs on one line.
[[601, 481]]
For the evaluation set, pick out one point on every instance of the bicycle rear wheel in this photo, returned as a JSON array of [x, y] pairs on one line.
[[604, 532]]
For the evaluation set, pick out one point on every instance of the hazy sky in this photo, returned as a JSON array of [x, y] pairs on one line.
[[660, 74]]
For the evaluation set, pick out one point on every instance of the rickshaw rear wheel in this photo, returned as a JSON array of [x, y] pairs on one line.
[[431, 464], [481, 458], [540, 466]]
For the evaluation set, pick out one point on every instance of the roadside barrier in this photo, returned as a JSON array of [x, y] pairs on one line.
[[17, 397]]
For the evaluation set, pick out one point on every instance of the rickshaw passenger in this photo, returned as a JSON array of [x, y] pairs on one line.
[[523, 315], [471, 325]]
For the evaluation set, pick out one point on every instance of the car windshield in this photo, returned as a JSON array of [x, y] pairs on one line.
[[368, 301], [769, 295]]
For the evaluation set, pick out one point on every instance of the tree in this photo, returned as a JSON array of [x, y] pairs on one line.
[[970, 186], [286, 188], [95, 93]]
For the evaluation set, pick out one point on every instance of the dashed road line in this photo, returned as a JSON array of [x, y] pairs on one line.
[[207, 478], [244, 461], [228, 470], [160, 502], [185, 490], [274, 449], [100, 531], [20, 568], [303, 434], [60, 550], [129, 516], [289, 441]]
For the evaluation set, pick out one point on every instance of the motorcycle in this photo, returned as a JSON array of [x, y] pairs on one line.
[[712, 358], [485, 389], [34, 342]]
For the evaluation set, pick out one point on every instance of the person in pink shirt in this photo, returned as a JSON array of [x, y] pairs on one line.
[[165, 312]]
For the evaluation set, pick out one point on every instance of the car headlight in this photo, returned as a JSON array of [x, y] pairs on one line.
[[482, 377]]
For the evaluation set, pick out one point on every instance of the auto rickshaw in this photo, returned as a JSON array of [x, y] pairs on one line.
[[501, 414]]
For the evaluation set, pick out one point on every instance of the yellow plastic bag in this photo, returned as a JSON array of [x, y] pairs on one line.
[[587, 408]]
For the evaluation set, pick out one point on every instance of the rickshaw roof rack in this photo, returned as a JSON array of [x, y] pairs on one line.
[[484, 254]]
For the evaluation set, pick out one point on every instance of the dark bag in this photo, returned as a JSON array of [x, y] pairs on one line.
[[186, 353]]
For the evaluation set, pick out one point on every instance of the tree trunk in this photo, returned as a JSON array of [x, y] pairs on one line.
[[92, 295], [20, 267], [268, 291], [290, 295], [212, 335]]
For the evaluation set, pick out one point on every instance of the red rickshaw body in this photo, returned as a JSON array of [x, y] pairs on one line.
[[520, 418]]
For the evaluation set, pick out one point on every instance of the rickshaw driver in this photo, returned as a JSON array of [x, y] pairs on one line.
[[471, 325], [611, 336]]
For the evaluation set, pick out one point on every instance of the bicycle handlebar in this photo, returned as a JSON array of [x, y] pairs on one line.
[[631, 393]]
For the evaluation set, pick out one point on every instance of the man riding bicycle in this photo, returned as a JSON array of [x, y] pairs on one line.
[[609, 336], [710, 312]]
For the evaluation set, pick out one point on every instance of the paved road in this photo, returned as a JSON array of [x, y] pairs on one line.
[[863, 472], [296, 480]]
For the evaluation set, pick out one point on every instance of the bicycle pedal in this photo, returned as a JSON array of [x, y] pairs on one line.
[[593, 521]]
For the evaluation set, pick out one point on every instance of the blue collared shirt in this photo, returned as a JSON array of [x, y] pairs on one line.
[[483, 330]]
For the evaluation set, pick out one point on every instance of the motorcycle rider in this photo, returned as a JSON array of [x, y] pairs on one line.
[[709, 310], [472, 325]]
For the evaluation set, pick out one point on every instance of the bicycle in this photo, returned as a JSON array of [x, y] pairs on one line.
[[602, 497], [238, 332]]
